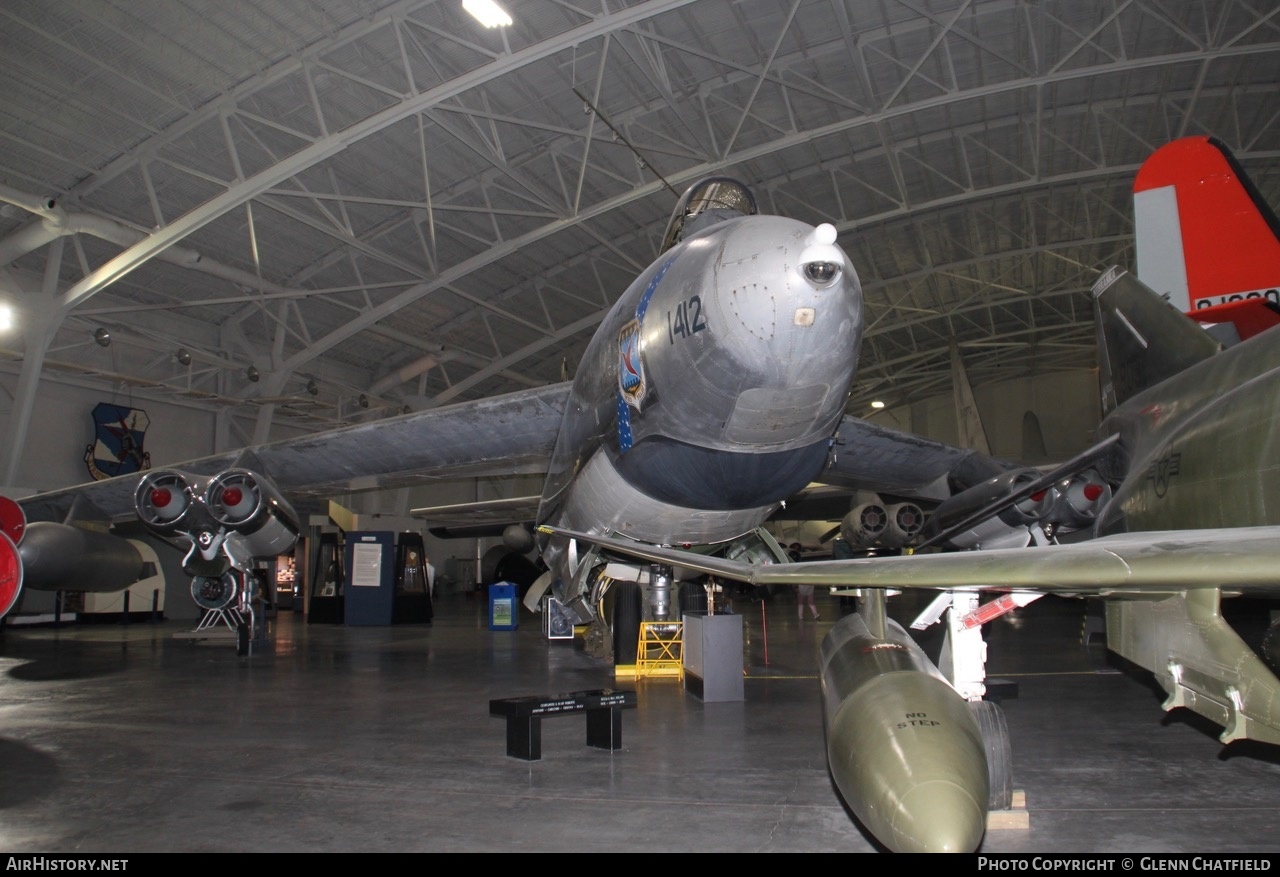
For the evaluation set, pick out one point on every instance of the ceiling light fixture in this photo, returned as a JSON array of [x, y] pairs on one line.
[[184, 356], [252, 373], [877, 404], [6, 318], [487, 12], [102, 336]]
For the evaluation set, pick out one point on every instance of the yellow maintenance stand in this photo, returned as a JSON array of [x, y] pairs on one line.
[[660, 650]]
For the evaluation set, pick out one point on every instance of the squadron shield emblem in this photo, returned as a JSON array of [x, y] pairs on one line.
[[631, 379], [117, 445]]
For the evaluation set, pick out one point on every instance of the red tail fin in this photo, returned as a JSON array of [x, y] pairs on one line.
[[1205, 237]]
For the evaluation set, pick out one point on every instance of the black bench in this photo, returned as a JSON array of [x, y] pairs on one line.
[[524, 716]]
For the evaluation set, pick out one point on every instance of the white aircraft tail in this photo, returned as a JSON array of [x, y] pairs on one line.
[[1206, 239]]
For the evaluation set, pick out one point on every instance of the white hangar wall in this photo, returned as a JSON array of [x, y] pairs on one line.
[[62, 426], [1065, 403]]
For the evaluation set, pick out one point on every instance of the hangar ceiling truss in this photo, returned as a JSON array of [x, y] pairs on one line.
[[381, 206]]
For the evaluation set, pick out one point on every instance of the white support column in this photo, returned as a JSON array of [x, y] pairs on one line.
[[221, 431], [44, 322], [964, 652], [272, 386]]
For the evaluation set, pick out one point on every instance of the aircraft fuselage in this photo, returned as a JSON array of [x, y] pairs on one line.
[[711, 391], [1203, 447]]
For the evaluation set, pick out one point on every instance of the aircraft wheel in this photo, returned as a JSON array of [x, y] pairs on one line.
[[995, 736], [628, 600], [693, 597]]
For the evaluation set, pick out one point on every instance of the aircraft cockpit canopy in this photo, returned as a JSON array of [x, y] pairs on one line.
[[705, 203]]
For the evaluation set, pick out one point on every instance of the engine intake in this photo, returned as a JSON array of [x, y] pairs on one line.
[[250, 506], [10, 574], [905, 522], [164, 500], [865, 524], [235, 499], [1080, 500]]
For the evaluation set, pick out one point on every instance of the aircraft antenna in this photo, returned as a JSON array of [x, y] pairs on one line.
[[644, 162]]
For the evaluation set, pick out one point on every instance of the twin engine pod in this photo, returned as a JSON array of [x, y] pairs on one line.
[[876, 523], [236, 503], [1070, 504]]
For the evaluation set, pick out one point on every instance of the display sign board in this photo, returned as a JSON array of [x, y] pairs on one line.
[[370, 593]]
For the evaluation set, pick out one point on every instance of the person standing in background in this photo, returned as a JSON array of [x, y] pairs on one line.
[[804, 593]]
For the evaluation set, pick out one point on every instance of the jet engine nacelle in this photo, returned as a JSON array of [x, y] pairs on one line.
[[865, 524], [875, 523], [1080, 499], [238, 509], [10, 574], [59, 556], [167, 501], [1008, 528], [906, 519], [250, 506], [517, 538], [13, 524]]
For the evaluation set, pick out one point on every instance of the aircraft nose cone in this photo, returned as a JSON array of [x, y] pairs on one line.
[[939, 817]]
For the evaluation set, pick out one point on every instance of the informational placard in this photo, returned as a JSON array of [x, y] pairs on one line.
[[366, 565], [502, 611]]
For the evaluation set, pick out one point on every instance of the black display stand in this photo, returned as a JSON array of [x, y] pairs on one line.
[[524, 716], [328, 581], [413, 592], [713, 656]]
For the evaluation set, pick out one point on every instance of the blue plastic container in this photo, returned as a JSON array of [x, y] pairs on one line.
[[503, 607]]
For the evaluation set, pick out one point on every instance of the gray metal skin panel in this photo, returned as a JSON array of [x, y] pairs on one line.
[[485, 437], [1142, 339], [728, 326], [1200, 448], [873, 457]]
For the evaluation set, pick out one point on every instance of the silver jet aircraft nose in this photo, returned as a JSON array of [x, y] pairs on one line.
[[760, 343], [714, 387]]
